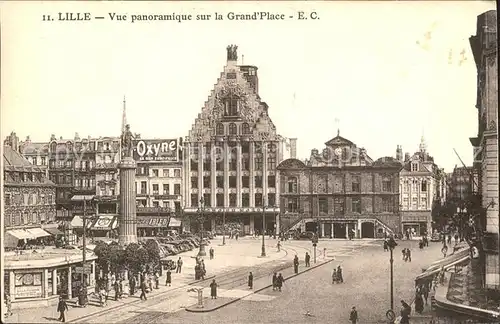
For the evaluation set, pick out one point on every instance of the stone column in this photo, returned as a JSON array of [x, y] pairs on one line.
[[70, 284], [322, 229], [46, 287], [252, 174], [277, 222], [127, 218], [212, 223], [54, 281], [200, 170], [187, 175], [213, 174], [238, 174], [347, 230], [252, 224], [264, 174], [331, 232], [226, 174], [12, 285]]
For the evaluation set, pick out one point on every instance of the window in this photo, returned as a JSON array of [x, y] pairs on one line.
[[206, 182], [220, 181], [387, 205], [386, 184], [271, 162], [232, 182], [232, 200], [155, 189], [258, 200], [207, 164], [166, 204], [338, 205], [245, 181], [156, 204], [219, 129], [271, 199], [414, 186], [258, 162], [143, 187], [220, 200], [7, 199], [423, 202], [34, 161], [356, 205], [405, 186], [293, 205], [292, 185], [177, 189], [233, 130], [166, 173], [177, 173], [166, 189], [414, 166], [405, 203], [232, 107], [245, 129], [69, 163], [43, 160], [233, 162], [194, 182], [424, 185], [245, 163], [323, 205], [414, 203], [258, 181], [245, 147], [271, 182], [194, 200], [356, 184], [207, 199], [194, 164], [245, 200]]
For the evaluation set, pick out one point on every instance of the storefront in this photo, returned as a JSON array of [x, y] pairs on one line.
[[105, 226], [36, 280], [149, 226], [21, 237]]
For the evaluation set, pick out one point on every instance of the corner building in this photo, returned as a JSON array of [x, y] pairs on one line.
[[340, 191], [231, 154]]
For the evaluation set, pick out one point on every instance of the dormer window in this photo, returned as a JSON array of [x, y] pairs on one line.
[[231, 106], [414, 166], [219, 129], [245, 128], [233, 130]]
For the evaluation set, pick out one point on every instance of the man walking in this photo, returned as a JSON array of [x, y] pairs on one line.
[[353, 317], [211, 252], [143, 290], [179, 266], [339, 274], [308, 259], [61, 308], [296, 264], [250, 281]]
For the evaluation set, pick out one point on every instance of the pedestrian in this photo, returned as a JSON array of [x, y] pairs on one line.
[[404, 254], [213, 289], [419, 302], [202, 269], [456, 238], [339, 274], [211, 252], [157, 281], [408, 255], [334, 276], [280, 280], [120, 288], [405, 313], [61, 308], [143, 290], [250, 281], [117, 289], [8, 303], [425, 292], [353, 317], [168, 281], [278, 246], [421, 244], [275, 281], [308, 259], [386, 246], [179, 265], [296, 264], [449, 239], [131, 284]]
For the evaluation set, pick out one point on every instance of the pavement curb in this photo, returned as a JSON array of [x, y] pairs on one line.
[[194, 309], [105, 310]]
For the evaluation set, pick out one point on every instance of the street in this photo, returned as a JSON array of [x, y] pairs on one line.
[[366, 286]]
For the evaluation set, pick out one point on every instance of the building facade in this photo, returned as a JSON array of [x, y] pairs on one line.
[[422, 188], [158, 185], [36, 153], [106, 174], [231, 155], [340, 192], [462, 183], [485, 50]]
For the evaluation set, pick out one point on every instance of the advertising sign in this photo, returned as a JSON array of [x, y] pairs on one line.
[[163, 150], [28, 292], [145, 221]]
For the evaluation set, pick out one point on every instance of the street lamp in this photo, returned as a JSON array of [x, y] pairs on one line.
[[392, 244], [263, 252], [201, 220], [224, 226]]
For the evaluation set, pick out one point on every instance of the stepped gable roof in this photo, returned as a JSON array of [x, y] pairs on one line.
[[291, 164], [339, 140], [387, 162], [422, 158]]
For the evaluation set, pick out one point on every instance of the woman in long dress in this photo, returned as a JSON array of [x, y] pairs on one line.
[[213, 289]]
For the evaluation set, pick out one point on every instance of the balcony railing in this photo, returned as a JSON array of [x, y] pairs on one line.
[[106, 166], [153, 210]]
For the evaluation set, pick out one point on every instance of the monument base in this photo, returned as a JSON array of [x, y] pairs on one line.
[[127, 239]]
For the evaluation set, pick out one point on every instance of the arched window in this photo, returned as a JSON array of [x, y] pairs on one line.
[[220, 129], [232, 129], [245, 128], [292, 185], [53, 147]]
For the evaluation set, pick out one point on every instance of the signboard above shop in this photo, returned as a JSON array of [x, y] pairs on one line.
[[153, 150]]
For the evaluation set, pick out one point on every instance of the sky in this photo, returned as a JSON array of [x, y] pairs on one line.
[[384, 73]]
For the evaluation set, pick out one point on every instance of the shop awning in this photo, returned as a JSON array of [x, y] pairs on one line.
[[152, 221], [174, 222], [105, 222], [458, 258], [77, 222], [38, 232], [53, 231], [82, 197], [21, 234]]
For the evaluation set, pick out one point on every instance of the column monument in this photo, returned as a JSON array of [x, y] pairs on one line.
[[127, 167]]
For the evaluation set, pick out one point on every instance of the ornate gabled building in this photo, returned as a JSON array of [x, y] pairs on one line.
[[484, 47], [231, 154], [106, 174], [340, 192], [422, 187]]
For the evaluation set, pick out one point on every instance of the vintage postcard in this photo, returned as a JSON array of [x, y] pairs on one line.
[[249, 162]]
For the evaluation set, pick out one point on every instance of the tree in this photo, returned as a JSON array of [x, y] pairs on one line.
[[117, 257], [103, 252], [136, 257], [154, 254]]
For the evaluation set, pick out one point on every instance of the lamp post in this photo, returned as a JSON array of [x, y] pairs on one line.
[[392, 244], [201, 220], [263, 252], [224, 226]]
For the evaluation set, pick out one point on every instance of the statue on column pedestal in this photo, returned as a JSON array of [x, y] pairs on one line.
[[127, 138]]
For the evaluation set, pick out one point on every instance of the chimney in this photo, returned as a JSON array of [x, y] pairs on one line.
[[52, 137], [13, 141], [293, 148], [77, 137], [399, 153], [407, 157]]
